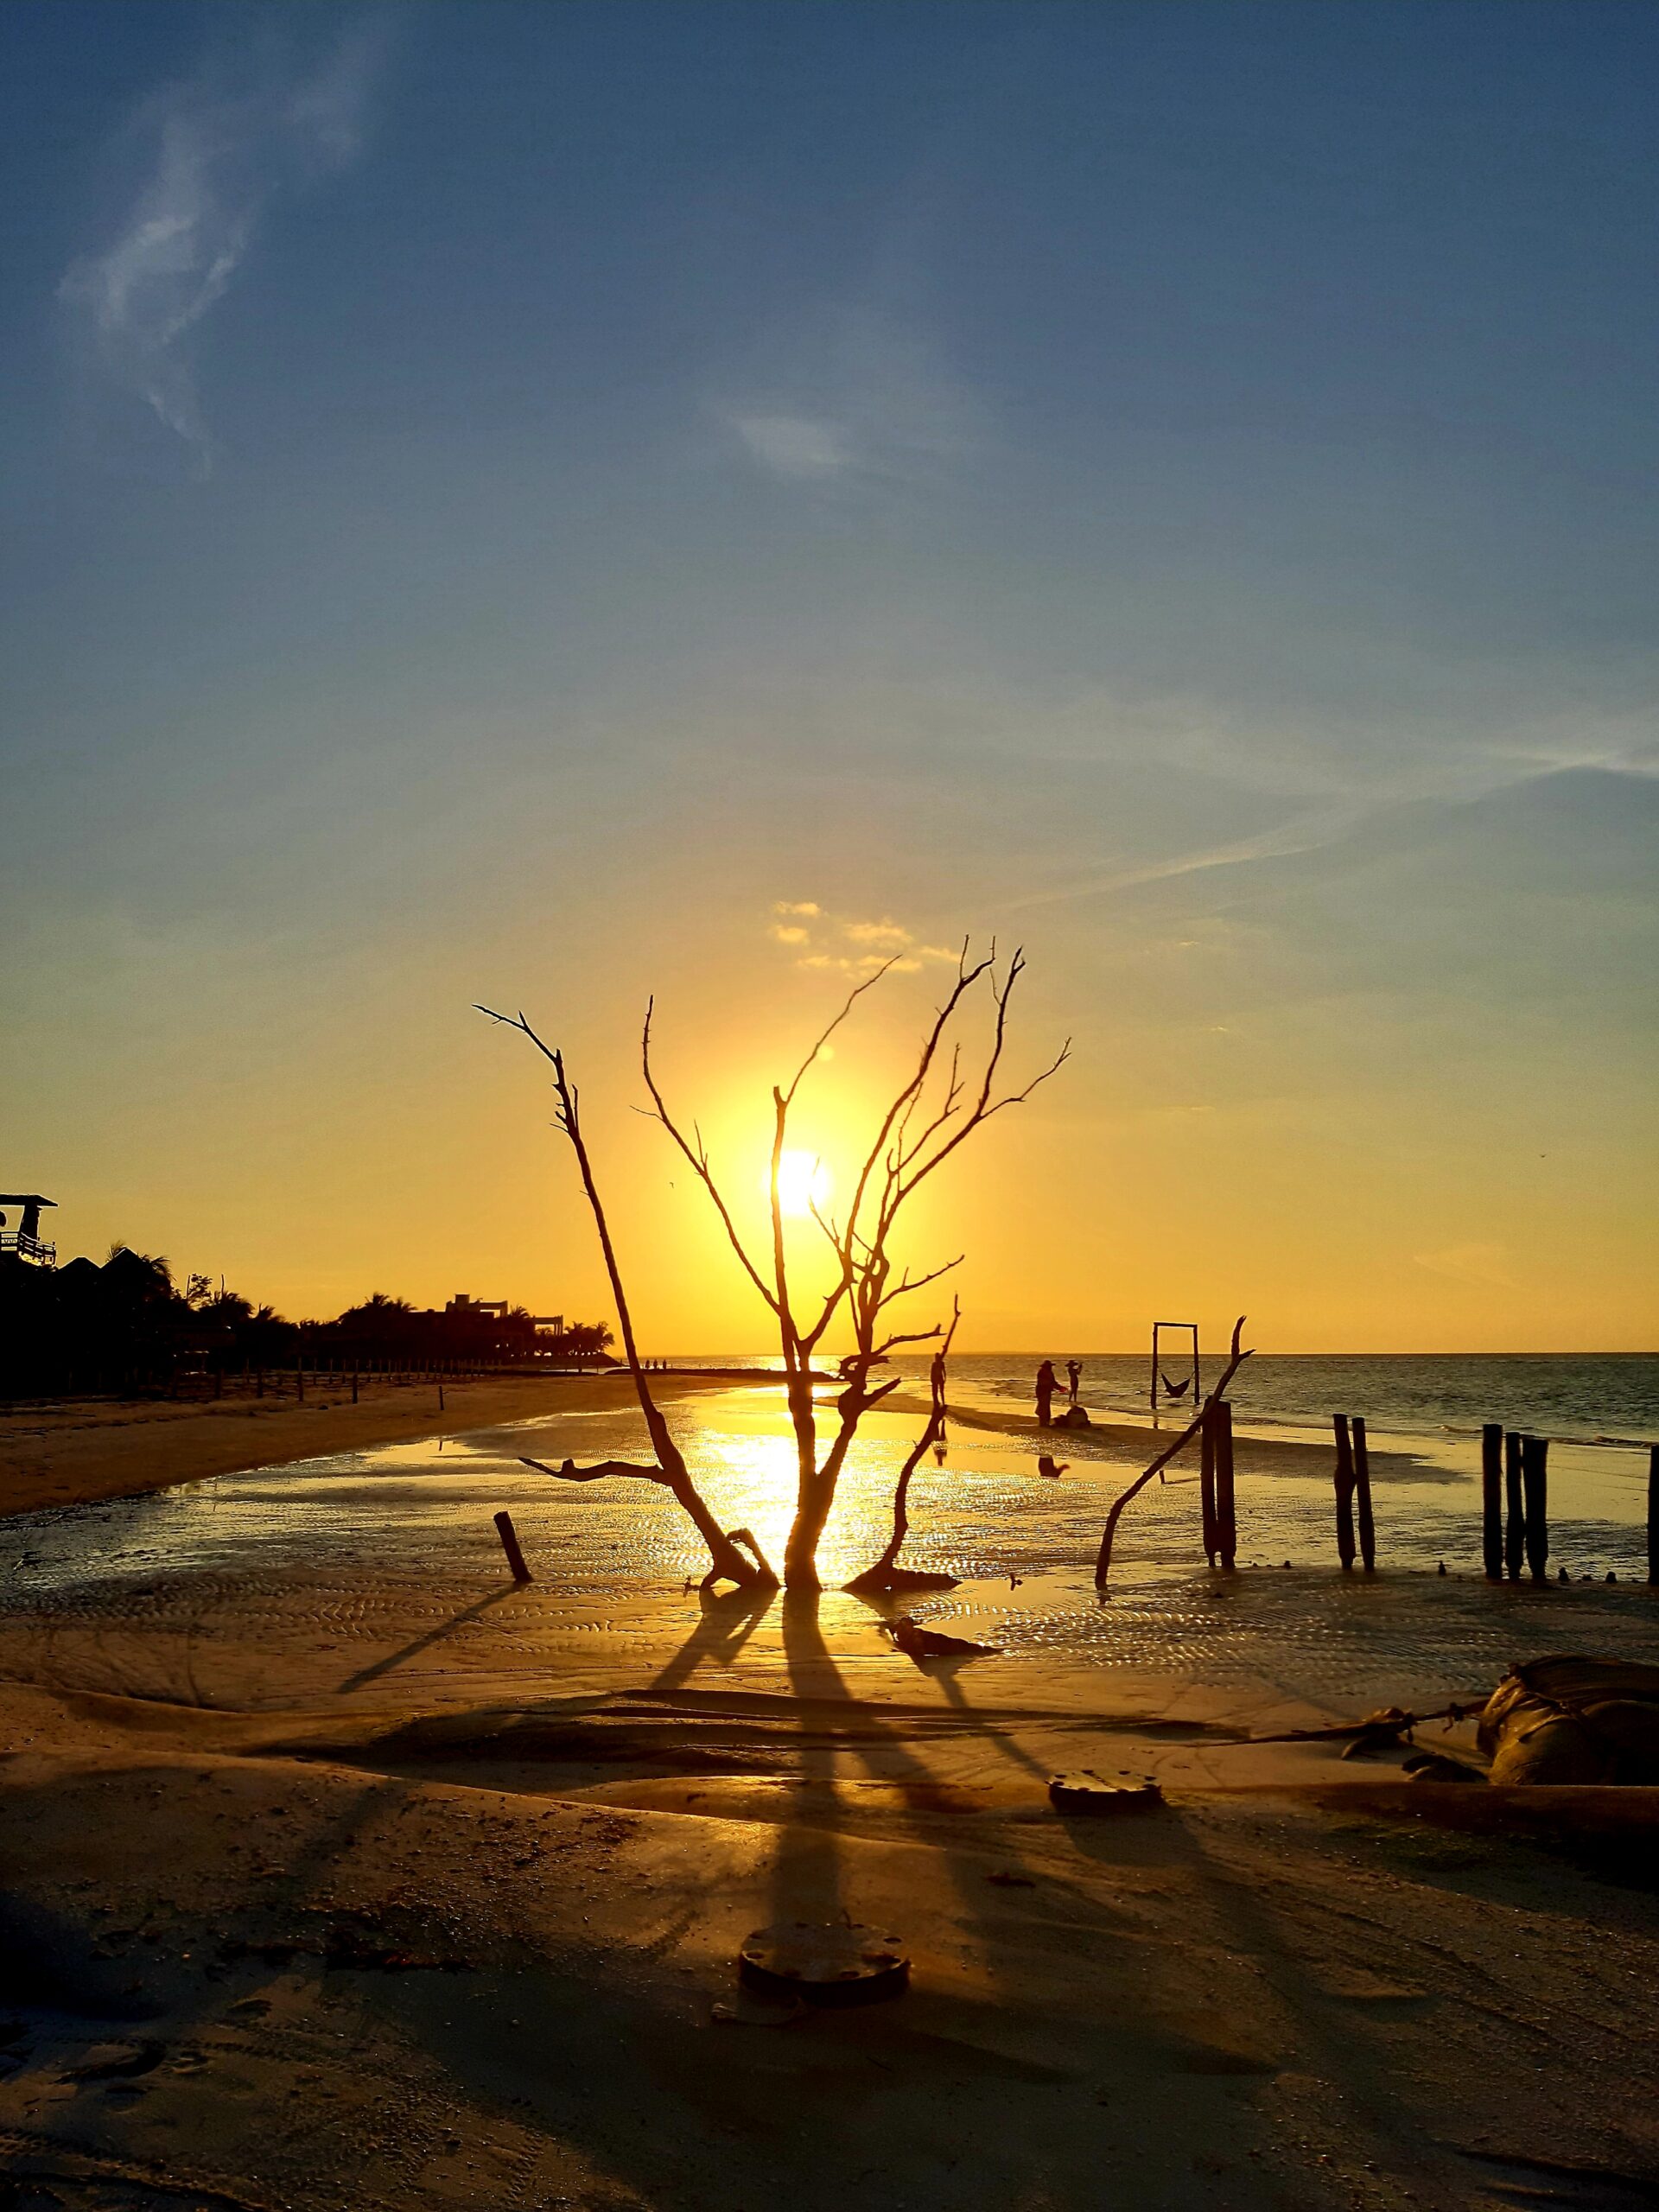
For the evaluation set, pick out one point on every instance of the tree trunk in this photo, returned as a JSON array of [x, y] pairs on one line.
[[812, 1511]]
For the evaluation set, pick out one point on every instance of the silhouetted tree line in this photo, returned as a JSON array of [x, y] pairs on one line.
[[126, 1326]]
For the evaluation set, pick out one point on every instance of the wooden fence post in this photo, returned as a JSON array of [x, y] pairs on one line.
[[1363, 1496], [1226, 1508], [1491, 1499], [1514, 1536], [1653, 1512], [1345, 1481], [504, 1529], [1207, 1484], [1535, 1481]]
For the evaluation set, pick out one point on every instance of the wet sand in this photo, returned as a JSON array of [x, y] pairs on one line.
[[69, 1451], [342, 1873]]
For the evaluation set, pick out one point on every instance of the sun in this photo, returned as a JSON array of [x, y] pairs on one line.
[[804, 1181]]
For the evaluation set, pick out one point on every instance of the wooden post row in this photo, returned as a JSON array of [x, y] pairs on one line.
[[1207, 1483], [1491, 1499], [1226, 1508], [1363, 1499], [1514, 1537], [1344, 1482], [1534, 1484]]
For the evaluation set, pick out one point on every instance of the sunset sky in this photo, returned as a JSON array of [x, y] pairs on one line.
[[548, 503]]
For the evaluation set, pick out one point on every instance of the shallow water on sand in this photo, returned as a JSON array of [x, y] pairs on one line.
[[417, 1509]]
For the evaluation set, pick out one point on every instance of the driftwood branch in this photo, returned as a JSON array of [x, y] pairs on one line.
[[567, 1471], [1236, 1359]]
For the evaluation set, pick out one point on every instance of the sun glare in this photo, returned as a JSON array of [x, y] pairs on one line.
[[804, 1182]]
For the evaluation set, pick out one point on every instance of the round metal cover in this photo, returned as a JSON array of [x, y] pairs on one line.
[[826, 1962], [1104, 1795]]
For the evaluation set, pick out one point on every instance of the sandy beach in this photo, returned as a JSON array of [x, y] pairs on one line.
[[341, 1871]]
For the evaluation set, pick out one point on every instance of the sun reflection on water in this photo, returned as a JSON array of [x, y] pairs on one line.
[[753, 1478]]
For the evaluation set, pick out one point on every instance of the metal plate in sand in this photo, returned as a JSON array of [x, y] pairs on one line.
[[1104, 1796], [826, 1962]]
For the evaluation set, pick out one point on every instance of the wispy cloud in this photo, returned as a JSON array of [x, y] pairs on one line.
[[218, 148], [795, 445], [1477, 1264], [860, 399]]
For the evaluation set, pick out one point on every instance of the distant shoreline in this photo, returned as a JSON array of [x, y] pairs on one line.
[[76, 1451]]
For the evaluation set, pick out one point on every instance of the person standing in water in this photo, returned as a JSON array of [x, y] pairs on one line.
[[1073, 1379], [1047, 1384], [936, 1383]]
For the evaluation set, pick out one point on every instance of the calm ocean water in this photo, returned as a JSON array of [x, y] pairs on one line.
[[1607, 1398]]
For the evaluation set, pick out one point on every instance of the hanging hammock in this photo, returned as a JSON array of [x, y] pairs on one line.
[[1176, 1389]]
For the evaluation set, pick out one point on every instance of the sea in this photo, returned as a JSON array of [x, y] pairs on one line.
[[1607, 1399]]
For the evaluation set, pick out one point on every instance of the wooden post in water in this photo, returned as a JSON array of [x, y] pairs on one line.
[[299, 1379], [1226, 1509], [1491, 1499], [1653, 1512], [353, 1382], [440, 1397], [1363, 1497], [1515, 1534], [1207, 1483], [504, 1529], [1535, 1483], [1345, 1479]]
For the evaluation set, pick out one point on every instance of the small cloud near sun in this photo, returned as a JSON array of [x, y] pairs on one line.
[[884, 944]]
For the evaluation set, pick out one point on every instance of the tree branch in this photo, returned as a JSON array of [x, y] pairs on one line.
[[1104, 1560], [699, 1160]]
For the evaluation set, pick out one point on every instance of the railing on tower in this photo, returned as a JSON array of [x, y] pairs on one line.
[[28, 1247]]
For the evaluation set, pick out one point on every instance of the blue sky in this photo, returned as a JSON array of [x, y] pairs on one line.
[[496, 493]]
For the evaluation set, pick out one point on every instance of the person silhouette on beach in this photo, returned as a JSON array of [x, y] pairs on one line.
[[1073, 1379], [936, 1383], [1047, 1384]]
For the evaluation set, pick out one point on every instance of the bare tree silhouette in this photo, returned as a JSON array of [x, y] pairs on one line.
[[931, 1116]]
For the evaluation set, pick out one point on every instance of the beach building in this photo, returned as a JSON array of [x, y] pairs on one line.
[[22, 1237]]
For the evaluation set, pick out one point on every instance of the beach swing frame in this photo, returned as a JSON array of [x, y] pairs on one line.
[[1156, 1394]]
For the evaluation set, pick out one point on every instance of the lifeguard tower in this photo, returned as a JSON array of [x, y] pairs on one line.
[[22, 1237]]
